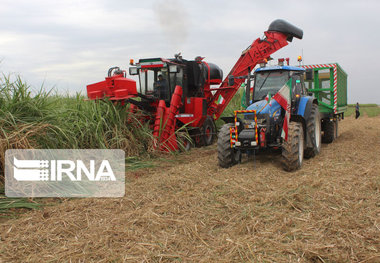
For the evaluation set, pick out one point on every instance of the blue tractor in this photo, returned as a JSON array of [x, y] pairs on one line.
[[292, 126]]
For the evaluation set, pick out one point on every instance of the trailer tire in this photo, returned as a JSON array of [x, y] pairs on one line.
[[293, 148], [313, 129], [336, 128], [227, 156], [328, 131], [208, 131]]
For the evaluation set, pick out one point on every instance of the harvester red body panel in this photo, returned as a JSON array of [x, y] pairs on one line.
[[188, 99], [116, 87]]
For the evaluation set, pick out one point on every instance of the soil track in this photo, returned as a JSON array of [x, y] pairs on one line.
[[188, 209]]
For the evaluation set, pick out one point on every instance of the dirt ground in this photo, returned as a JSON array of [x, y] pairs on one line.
[[187, 209]]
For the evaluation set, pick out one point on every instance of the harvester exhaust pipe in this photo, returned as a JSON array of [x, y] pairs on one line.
[[282, 26]]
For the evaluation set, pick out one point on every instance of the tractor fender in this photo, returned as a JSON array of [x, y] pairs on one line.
[[304, 106]]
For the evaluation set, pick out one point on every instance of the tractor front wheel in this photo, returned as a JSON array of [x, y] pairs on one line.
[[227, 156], [293, 148]]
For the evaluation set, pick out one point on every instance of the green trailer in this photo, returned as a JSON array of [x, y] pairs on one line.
[[328, 83]]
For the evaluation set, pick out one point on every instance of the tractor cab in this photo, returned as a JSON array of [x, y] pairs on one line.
[[269, 80]]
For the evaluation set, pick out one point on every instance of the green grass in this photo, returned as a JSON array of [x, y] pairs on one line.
[[41, 119], [235, 104], [135, 163], [9, 207], [371, 110], [52, 121]]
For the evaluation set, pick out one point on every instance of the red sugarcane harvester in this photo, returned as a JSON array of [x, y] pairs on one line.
[[177, 93]]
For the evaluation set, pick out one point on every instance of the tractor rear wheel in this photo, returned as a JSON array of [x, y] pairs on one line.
[[328, 131], [313, 129], [208, 131], [293, 148], [227, 156]]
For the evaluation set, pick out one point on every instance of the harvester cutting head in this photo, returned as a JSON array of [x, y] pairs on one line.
[[282, 26], [115, 87]]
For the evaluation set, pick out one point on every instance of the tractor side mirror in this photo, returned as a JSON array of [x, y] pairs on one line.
[[309, 74], [133, 71], [231, 80]]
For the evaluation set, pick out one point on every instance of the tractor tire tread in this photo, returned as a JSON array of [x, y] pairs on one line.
[[225, 152], [290, 148]]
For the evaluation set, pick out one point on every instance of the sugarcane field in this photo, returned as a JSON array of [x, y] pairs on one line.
[[177, 131]]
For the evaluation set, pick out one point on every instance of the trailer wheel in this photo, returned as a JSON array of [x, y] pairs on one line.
[[313, 128], [293, 149], [328, 131], [227, 156], [208, 131], [336, 128]]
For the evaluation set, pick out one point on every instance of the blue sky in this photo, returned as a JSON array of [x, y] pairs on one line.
[[69, 44]]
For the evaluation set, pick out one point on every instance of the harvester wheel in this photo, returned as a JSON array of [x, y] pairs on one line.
[[328, 131], [187, 145], [313, 128], [227, 156], [208, 131], [196, 135], [293, 148], [184, 141]]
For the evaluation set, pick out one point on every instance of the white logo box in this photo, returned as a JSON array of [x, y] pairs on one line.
[[64, 173]]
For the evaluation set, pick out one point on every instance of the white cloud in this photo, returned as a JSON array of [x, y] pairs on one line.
[[72, 43]]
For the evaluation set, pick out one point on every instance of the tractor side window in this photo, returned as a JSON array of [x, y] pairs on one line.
[[304, 90], [298, 87]]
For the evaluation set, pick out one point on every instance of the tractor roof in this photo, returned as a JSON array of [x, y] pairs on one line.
[[272, 68]]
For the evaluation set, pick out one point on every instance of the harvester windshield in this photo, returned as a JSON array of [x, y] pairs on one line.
[[269, 82], [155, 82]]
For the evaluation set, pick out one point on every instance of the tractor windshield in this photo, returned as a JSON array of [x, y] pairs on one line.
[[269, 82], [155, 82]]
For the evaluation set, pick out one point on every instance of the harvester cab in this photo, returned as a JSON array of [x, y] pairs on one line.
[[157, 77]]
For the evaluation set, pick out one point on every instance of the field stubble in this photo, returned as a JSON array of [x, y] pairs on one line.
[[188, 209]]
